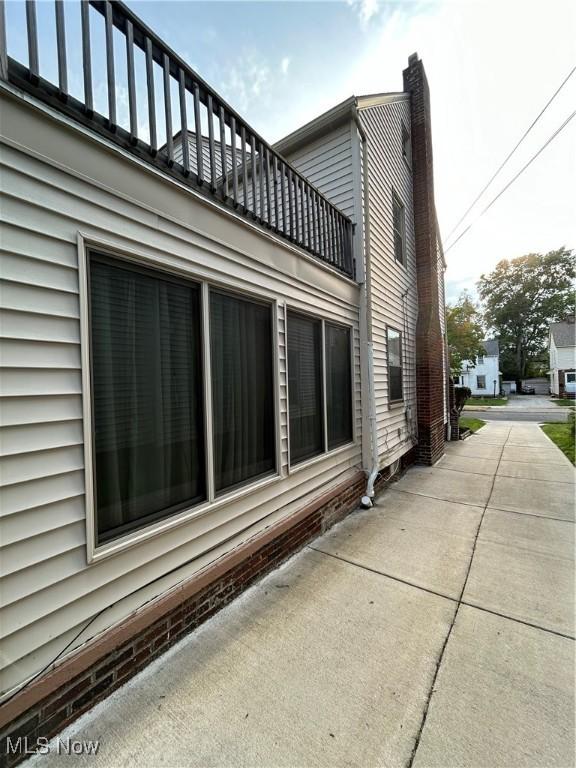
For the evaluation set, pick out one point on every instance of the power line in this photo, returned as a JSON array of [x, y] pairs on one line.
[[520, 172], [556, 92]]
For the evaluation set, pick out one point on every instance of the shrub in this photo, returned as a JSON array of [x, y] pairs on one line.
[[461, 394]]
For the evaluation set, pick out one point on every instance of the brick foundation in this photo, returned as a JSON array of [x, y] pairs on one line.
[[429, 341], [55, 700]]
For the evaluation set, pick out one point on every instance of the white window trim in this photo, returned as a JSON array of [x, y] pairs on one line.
[[94, 552], [403, 263], [327, 452]]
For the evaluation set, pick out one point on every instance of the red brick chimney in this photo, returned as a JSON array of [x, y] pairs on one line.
[[429, 342]]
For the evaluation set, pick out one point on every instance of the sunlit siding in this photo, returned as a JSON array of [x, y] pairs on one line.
[[394, 294], [58, 182]]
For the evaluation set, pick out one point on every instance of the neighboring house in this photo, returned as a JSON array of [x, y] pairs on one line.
[[482, 375], [562, 349], [205, 362]]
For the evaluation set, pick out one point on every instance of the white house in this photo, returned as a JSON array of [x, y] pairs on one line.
[[483, 375], [208, 355], [562, 349]]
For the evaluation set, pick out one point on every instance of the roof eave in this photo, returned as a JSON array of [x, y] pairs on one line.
[[311, 130]]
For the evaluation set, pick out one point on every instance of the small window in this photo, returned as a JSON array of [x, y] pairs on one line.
[[395, 384], [480, 360], [480, 382], [399, 229], [570, 377], [147, 395], [406, 146], [338, 385], [304, 341], [243, 410]]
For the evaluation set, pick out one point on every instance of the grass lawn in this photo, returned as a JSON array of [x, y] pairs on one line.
[[565, 401], [472, 424], [562, 435], [486, 401]]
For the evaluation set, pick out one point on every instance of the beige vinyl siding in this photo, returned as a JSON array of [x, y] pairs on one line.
[[58, 182], [387, 172], [327, 163]]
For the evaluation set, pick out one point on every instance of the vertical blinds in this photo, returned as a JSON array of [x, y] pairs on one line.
[[304, 343], [242, 390], [338, 385], [147, 395]]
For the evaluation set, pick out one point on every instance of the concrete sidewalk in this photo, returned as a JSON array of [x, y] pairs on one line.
[[436, 629]]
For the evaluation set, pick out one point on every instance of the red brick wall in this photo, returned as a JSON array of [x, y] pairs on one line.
[[429, 342]]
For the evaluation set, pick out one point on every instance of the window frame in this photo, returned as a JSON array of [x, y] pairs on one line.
[[406, 138], [301, 465], [212, 288], [480, 359], [401, 400], [480, 376], [136, 259], [396, 199]]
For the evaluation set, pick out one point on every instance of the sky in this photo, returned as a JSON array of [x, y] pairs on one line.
[[491, 65]]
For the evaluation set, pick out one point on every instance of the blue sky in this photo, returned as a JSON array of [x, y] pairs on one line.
[[491, 64]]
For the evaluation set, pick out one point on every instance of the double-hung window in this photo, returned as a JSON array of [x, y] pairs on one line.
[[480, 382], [150, 376], [147, 401], [399, 227], [395, 383], [319, 386]]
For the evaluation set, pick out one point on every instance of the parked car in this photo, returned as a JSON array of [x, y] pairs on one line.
[[528, 391]]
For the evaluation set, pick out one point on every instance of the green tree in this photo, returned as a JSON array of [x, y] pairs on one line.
[[464, 331], [521, 297]]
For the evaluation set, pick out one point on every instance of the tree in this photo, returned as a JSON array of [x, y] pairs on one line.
[[521, 297], [464, 332]]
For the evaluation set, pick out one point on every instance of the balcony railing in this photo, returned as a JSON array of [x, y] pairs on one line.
[[151, 103]]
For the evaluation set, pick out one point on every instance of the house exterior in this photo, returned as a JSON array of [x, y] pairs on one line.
[[209, 355], [483, 375], [562, 349]]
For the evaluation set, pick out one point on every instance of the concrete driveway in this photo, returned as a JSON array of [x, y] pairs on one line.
[[436, 629]]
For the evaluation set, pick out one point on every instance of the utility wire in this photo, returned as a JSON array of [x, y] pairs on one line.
[[562, 84], [520, 172]]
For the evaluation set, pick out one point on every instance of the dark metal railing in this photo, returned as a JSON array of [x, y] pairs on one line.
[[213, 149]]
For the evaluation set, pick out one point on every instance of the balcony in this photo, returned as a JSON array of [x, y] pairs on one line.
[[158, 109]]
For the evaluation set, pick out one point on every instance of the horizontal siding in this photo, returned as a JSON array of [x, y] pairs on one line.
[[327, 163], [48, 591], [396, 425]]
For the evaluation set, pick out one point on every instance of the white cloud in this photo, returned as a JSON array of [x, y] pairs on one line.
[[366, 9], [247, 82], [284, 64]]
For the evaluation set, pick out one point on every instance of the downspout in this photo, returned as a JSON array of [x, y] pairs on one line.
[[366, 312]]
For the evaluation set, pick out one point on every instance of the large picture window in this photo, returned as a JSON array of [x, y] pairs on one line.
[[395, 385], [338, 385], [148, 430], [304, 340], [243, 412]]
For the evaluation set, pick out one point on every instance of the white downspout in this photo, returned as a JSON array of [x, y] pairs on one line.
[[366, 314], [367, 499]]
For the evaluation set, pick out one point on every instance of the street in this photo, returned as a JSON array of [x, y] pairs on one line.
[[538, 408]]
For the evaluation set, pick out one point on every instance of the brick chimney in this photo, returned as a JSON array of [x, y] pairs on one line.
[[429, 341]]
